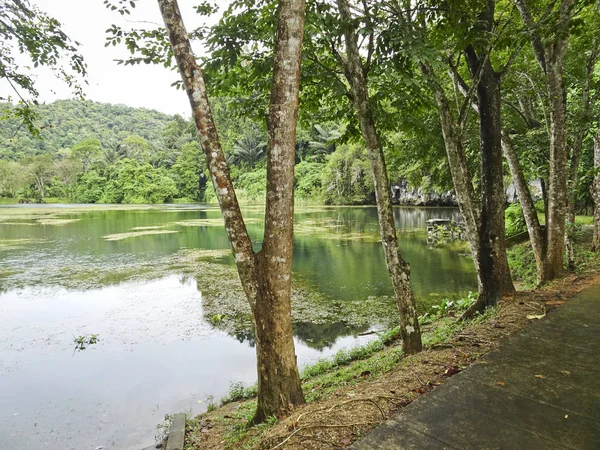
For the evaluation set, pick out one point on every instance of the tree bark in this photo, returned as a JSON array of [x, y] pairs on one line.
[[544, 188], [595, 191], [399, 269], [273, 314], [459, 169], [572, 181], [551, 59], [493, 261], [265, 276], [531, 218], [521, 186], [583, 124], [557, 179]]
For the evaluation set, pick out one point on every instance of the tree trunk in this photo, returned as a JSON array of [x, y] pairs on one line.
[[557, 179], [584, 122], [531, 218], [399, 269], [459, 169], [595, 191], [493, 261], [543, 187], [41, 188], [265, 277], [573, 178], [551, 59], [277, 367]]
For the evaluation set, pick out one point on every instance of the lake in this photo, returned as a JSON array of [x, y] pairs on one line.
[[158, 287]]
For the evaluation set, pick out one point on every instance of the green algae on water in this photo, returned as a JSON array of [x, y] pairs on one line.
[[57, 222], [216, 222], [121, 236]]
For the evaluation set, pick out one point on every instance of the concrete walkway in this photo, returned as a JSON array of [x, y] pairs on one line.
[[539, 390]]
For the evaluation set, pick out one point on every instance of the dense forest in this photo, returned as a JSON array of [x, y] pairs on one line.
[[100, 153]]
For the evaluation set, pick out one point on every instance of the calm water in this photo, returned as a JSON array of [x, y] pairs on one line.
[[158, 353]]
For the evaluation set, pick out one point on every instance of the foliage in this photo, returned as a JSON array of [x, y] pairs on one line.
[[84, 341], [189, 172], [252, 185], [521, 261], [131, 182], [309, 180], [90, 187], [238, 392], [514, 220], [65, 123], [249, 149], [26, 30], [347, 178], [447, 307]]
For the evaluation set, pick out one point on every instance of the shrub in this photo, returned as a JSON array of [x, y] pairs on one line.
[[347, 177], [515, 220], [308, 180]]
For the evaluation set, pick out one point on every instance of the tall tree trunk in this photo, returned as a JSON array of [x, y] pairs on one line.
[[573, 178], [531, 218], [595, 191], [584, 121], [266, 276], [399, 269], [493, 261], [551, 59], [557, 179], [273, 315], [459, 169], [521, 186], [544, 188]]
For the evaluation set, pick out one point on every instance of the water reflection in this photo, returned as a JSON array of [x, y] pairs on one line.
[[158, 352], [155, 356]]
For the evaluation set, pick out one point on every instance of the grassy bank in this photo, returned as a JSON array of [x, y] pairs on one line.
[[351, 392]]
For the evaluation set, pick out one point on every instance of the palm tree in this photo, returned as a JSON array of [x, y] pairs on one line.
[[324, 141], [249, 149], [113, 152]]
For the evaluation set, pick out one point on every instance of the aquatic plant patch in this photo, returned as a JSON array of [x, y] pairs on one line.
[[133, 234], [216, 222], [57, 222]]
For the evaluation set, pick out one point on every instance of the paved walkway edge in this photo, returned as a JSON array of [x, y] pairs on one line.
[[540, 390], [176, 433]]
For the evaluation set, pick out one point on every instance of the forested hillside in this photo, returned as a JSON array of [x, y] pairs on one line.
[[64, 123], [101, 153]]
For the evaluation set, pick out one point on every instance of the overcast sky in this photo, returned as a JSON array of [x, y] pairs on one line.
[[145, 86]]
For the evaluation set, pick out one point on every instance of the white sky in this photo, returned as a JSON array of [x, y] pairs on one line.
[[145, 86]]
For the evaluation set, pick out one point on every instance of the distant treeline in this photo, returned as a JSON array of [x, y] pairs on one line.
[[101, 153]]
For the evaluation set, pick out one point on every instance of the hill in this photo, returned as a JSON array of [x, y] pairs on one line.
[[64, 123]]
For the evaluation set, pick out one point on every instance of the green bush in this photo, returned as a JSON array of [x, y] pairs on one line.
[[521, 261], [90, 187], [514, 220], [131, 182], [308, 180], [251, 186], [347, 177]]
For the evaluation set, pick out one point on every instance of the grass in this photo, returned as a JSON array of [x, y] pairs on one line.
[[347, 367], [579, 220], [372, 359]]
